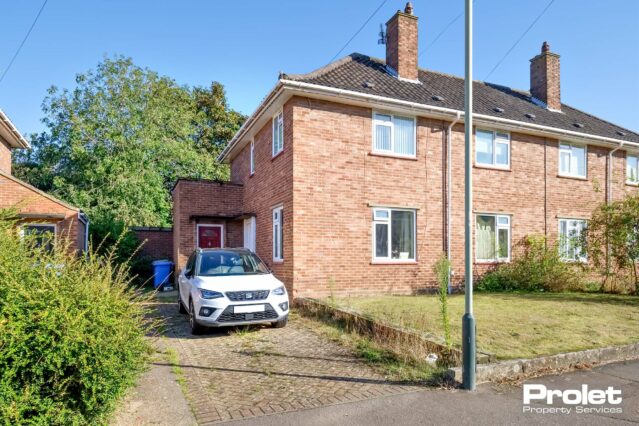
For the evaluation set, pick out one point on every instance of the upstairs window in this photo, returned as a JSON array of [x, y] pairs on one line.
[[632, 169], [393, 134], [393, 235], [572, 160], [278, 133], [252, 159], [492, 149], [570, 240], [493, 238]]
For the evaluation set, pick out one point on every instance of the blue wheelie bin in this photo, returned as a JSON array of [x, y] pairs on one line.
[[161, 272]]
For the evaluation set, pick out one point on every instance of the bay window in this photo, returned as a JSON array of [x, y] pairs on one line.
[[393, 234]]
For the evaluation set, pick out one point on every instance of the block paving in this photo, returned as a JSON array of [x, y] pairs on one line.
[[237, 373]]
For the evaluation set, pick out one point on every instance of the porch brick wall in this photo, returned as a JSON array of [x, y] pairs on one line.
[[203, 198]]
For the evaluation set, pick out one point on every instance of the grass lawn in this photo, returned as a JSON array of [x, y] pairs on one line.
[[518, 325]]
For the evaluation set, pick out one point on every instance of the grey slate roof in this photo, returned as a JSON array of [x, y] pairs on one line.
[[364, 74]]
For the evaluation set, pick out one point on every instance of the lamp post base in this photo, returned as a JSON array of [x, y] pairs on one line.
[[469, 349]]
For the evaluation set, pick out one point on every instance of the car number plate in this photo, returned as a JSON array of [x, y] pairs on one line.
[[245, 309]]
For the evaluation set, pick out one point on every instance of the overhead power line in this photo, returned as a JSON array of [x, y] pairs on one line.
[[443, 31], [15, 55], [359, 30], [519, 39]]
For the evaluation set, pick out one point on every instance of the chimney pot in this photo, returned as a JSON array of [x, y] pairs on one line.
[[408, 9], [545, 47]]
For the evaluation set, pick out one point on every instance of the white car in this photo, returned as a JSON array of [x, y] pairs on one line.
[[228, 287]]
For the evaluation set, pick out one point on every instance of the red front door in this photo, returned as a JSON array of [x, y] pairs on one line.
[[209, 236]]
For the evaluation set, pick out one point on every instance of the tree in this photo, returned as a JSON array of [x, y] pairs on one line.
[[612, 241], [118, 141]]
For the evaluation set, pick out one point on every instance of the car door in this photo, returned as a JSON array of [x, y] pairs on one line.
[[185, 279]]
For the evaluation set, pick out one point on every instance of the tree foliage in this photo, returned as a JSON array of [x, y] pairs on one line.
[[116, 143], [612, 241]]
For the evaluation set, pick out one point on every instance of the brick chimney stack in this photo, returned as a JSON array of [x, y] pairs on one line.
[[401, 43], [545, 76]]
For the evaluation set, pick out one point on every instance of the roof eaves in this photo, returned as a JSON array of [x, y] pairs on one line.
[[15, 137]]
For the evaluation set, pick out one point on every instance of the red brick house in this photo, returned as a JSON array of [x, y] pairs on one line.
[[350, 179], [39, 213]]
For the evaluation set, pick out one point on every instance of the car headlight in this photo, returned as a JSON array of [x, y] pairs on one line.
[[210, 294], [280, 291]]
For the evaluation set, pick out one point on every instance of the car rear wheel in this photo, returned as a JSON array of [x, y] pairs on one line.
[[195, 327], [281, 323]]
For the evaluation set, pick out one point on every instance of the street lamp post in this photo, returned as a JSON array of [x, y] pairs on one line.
[[468, 321]]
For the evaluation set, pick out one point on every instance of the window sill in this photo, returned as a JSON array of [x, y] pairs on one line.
[[278, 261], [251, 175], [559, 175], [500, 169], [491, 262], [390, 155], [394, 262], [277, 155], [635, 184]]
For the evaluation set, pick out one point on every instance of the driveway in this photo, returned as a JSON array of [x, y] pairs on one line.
[[238, 374]]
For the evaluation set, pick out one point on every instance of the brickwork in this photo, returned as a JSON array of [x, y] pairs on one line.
[[203, 202], [35, 208], [401, 45], [545, 79], [5, 157], [158, 242]]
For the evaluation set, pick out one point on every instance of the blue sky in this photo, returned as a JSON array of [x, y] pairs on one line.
[[244, 44]]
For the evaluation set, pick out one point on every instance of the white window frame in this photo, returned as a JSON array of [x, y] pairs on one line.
[[391, 151], [571, 145], [278, 122], [498, 226], [387, 221], [496, 140], [582, 257], [209, 225], [252, 158], [628, 180], [278, 228]]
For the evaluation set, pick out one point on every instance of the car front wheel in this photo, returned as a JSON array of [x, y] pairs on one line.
[[281, 323], [195, 327]]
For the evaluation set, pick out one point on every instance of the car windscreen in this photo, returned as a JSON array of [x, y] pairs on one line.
[[220, 262]]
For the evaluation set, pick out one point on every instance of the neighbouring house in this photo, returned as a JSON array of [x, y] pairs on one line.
[[39, 213], [350, 179]]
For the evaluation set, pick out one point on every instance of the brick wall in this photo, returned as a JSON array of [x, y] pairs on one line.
[[5, 156], [32, 205], [270, 186], [158, 242], [204, 198]]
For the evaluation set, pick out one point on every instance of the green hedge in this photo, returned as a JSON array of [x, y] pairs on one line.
[[72, 333]]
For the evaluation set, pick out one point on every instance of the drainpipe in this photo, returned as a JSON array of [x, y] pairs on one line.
[[449, 157], [609, 177]]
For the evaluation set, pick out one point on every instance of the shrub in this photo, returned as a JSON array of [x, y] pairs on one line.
[[612, 242], [536, 266], [72, 333]]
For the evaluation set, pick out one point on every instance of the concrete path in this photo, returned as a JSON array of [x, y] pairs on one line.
[[156, 400], [489, 405]]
